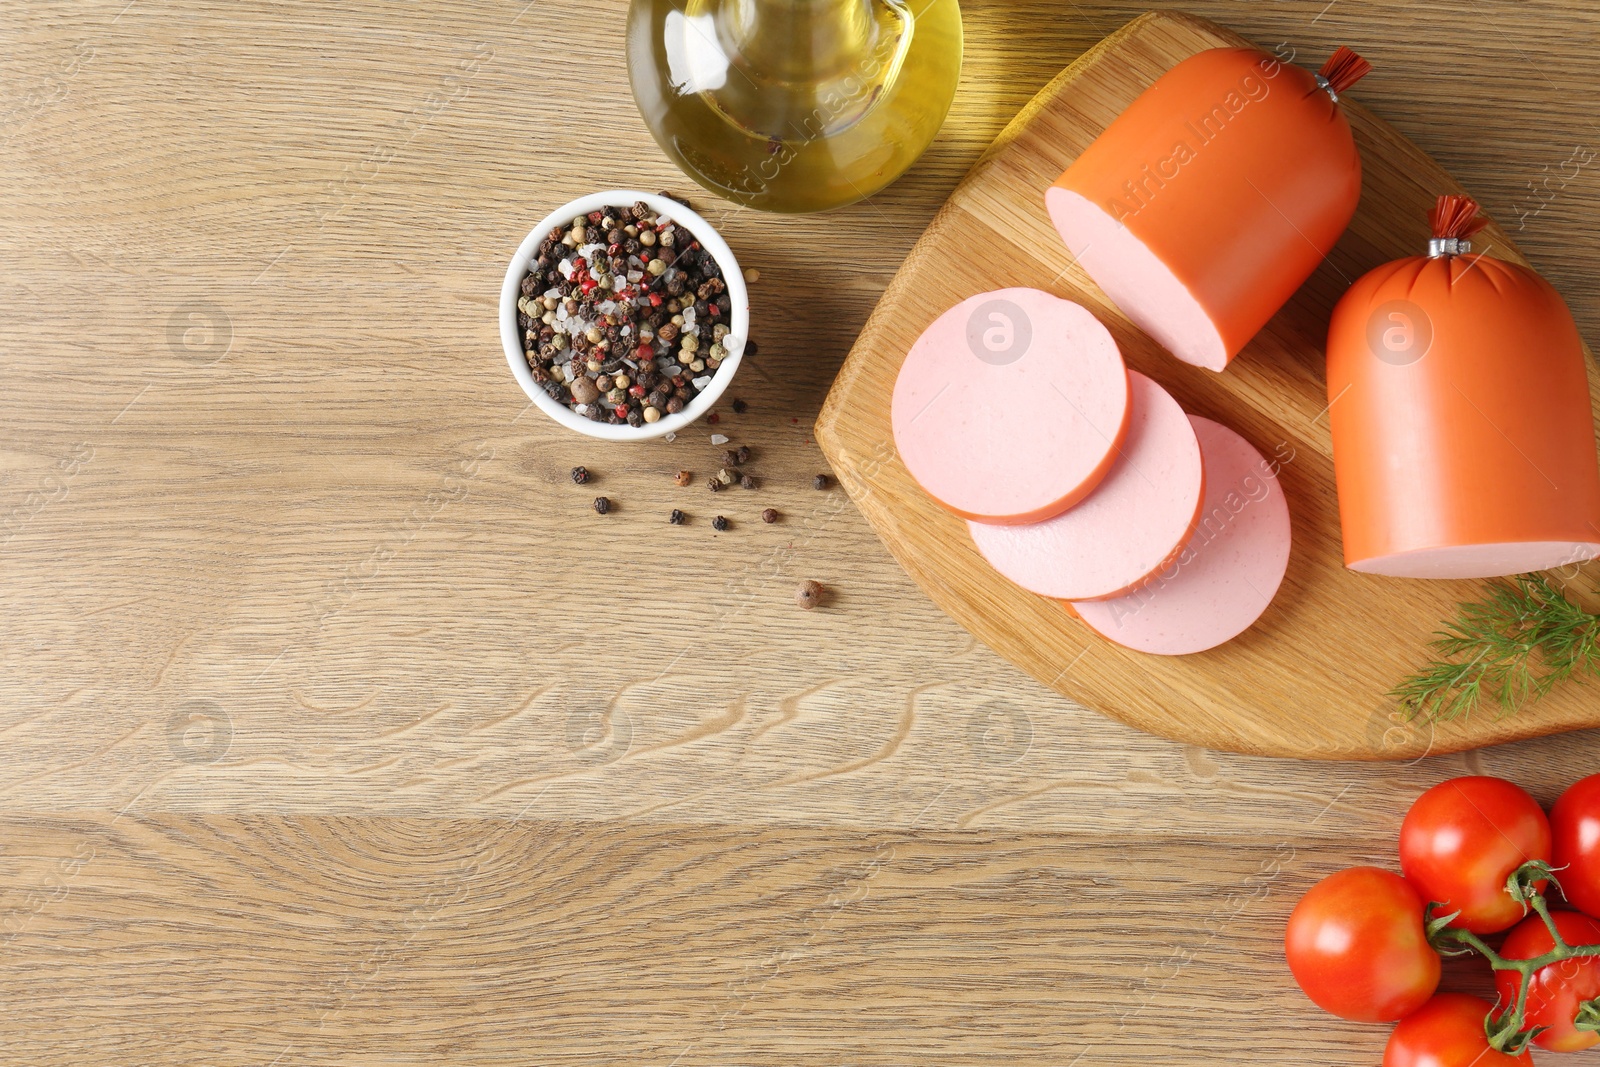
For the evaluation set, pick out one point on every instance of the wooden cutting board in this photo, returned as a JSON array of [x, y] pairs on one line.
[[1310, 679]]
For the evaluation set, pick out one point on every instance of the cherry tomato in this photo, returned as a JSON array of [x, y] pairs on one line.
[[1356, 945], [1555, 991], [1575, 830], [1463, 838], [1447, 1031]]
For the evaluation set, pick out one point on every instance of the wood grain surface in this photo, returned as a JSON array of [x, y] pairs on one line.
[[1311, 676], [335, 728]]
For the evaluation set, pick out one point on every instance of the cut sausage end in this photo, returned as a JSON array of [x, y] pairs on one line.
[[1479, 561], [1134, 278], [1227, 574], [1011, 406], [1129, 528]]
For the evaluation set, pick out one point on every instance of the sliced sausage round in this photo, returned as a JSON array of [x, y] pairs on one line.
[[1132, 524], [1011, 405], [1224, 578]]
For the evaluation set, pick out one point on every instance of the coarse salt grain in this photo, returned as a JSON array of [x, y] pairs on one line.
[[669, 436], [719, 439], [552, 294], [636, 276], [702, 381], [663, 221], [566, 268]]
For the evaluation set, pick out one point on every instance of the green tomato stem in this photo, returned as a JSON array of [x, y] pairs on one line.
[[1506, 1031]]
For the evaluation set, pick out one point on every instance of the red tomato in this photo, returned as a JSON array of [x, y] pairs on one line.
[[1356, 946], [1575, 829], [1463, 838], [1446, 1032], [1555, 991]]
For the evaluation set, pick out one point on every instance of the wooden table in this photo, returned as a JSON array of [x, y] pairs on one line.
[[338, 729]]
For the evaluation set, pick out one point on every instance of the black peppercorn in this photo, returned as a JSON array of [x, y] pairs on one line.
[[769, 516], [601, 505], [743, 455], [739, 407], [730, 458], [820, 482], [676, 518], [747, 482], [714, 485], [719, 524], [580, 475]]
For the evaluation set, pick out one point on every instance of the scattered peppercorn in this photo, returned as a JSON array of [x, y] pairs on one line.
[[713, 418], [683, 478], [601, 505], [714, 485], [719, 524], [676, 518], [742, 456], [808, 595], [820, 482], [747, 482], [769, 516], [730, 458], [580, 475], [739, 407]]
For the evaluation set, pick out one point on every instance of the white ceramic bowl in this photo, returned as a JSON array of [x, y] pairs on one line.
[[710, 240]]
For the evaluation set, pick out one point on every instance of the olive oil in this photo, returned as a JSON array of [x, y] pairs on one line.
[[794, 105]]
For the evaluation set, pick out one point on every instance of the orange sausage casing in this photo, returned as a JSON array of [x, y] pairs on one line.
[[1209, 201], [1463, 435]]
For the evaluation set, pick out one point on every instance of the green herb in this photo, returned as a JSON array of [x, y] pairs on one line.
[[1513, 646]]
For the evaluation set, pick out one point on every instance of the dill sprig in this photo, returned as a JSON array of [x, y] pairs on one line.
[[1513, 646]]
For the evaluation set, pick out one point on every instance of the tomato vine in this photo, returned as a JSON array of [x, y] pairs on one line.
[[1506, 1027]]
